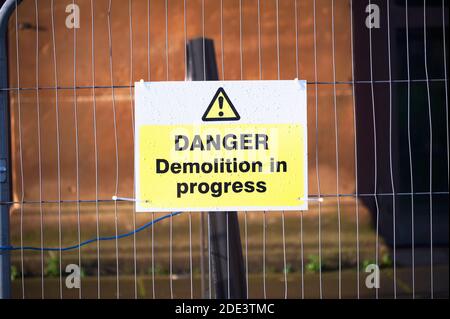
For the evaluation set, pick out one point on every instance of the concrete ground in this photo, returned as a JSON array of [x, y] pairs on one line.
[[275, 286], [301, 231]]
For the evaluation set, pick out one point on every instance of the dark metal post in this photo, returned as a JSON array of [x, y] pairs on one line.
[[225, 260], [5, 155]]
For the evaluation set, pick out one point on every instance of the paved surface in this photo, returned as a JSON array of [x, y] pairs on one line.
[[274, 284]]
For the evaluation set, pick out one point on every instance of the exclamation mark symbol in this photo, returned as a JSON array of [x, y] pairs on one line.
[[220, 105]]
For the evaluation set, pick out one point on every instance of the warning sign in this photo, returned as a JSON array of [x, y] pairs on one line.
[[220, 108], [218, 146]]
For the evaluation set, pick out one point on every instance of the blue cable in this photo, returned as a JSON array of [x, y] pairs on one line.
[[137, 230]]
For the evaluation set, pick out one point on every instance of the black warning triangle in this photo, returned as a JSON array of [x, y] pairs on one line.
[[220, 108]]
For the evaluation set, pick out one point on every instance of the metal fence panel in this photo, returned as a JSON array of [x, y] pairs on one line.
[[377, 145]]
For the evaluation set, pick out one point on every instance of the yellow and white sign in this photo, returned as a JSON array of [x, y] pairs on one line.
[[220, 146]]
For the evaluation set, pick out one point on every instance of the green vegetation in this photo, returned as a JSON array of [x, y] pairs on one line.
[[384, 262], [52, 267], [313, 264], [14, 273], [366, 262]]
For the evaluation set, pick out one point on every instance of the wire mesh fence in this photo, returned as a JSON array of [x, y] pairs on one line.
[[377, 139]]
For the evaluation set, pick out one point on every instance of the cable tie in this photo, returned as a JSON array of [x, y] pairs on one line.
[[128, 199], [312, 199]]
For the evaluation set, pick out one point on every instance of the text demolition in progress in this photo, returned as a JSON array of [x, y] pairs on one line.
[[220, 165]]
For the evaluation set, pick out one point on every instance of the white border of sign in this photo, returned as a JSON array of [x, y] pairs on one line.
[[181, 102]]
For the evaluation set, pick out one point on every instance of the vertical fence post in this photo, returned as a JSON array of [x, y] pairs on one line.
[[227, 262], [5, 158]]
